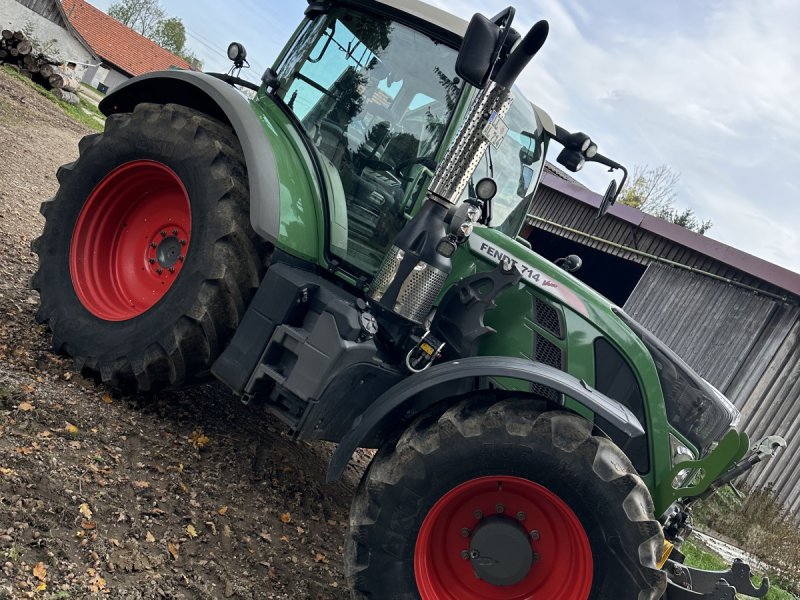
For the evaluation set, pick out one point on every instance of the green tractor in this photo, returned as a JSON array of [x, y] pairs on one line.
[[342, 248]]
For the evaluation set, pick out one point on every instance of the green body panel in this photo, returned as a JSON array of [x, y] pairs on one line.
[[302, 232], [730, 449], [587, 316]]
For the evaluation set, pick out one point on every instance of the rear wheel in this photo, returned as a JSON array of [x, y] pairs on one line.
[[147, 259], [503, 502]]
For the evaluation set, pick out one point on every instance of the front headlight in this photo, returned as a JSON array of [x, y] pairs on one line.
[[680, 453]]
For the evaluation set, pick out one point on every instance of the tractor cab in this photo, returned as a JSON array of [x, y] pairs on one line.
[[379, 98]]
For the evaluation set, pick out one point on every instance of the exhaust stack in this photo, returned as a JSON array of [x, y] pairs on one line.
[[415, 269]]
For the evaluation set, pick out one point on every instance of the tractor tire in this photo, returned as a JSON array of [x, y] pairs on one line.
[[147, 260], [503, 500]]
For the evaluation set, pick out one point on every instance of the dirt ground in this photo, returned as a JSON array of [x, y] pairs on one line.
[[184, 495]]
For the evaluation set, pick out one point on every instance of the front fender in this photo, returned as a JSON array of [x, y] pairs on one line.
[[221, 101], [402, 394]]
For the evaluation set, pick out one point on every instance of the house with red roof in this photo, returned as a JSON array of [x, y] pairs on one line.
[[123, 52]]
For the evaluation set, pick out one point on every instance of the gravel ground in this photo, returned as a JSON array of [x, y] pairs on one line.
[[181, 495]]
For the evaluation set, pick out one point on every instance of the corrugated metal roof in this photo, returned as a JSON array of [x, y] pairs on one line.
[[575, 206]]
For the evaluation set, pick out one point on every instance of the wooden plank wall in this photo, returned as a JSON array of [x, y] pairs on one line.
[[747, 345], [45, 8]]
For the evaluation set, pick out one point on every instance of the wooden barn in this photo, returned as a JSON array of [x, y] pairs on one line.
[[733, 317]]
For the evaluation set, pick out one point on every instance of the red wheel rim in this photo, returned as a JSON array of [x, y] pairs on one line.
[[562, 570], [130, 240]]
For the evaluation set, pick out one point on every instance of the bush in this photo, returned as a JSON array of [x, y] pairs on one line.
[[759, 525]]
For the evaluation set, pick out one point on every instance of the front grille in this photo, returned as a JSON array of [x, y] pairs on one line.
[[547, 318], [548, 353]]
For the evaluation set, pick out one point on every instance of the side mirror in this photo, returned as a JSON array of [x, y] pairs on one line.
[[609, 198], [570, 263], [476, 57]]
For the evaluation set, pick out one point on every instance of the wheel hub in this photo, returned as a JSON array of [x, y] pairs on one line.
[[168, 252], [500, 551]]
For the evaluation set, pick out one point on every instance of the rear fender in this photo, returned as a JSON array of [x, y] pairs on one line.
[[223, 102], [401, 402]]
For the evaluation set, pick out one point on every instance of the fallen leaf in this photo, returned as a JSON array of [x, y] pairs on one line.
[[75, 445], [71, 429], [25, 406], [41, 587], [150, 537], [222, 510], [40, 571], [86, 524], [173, 550], [300, 531], [286, 517], [140, 485], [85, 510], [191, 531], [107, 398], [320, 558], [7, 472], [184, 487], [265, 536], [27, 388], [199, 439], [45, 433], [67, 376]]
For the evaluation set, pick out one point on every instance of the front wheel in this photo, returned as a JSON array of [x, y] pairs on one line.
[[147, 259], [503, 501]]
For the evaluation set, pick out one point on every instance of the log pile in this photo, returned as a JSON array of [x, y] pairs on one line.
[[19, 53]]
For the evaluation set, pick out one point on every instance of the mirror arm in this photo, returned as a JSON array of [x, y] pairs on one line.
[[611, 164]]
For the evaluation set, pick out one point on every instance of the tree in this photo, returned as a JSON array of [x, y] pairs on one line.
[[171, 35], [143, 16], [148, 18], [653, 190]]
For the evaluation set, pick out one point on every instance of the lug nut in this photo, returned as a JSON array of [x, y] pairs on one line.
[[182, 242], [153, 245], [500, 508], [174, 232], [163, 234], [534, 534], [151, 260], [465, 554], [474, 554], [465, 532], [535, 557], [181, 257], [521, 516], [159, 271], [172, 269], [478, 515]]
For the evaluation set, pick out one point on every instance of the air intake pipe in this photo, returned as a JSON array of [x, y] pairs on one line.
[[416, 267]]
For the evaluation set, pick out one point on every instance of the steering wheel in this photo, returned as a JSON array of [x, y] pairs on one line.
[[427, 161]]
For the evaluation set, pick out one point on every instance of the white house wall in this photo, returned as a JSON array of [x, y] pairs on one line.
[[45, 34]]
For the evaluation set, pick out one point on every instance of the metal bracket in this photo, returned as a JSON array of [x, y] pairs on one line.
[[697, 583], [769, 446]]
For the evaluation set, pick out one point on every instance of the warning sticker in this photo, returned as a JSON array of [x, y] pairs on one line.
[[495, 129]]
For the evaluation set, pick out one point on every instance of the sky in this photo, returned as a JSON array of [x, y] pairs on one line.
[[710, 88]]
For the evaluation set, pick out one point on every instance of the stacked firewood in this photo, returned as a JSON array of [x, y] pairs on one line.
[[18, 52]]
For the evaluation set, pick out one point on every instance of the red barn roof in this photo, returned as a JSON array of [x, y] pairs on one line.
[[118, 44]]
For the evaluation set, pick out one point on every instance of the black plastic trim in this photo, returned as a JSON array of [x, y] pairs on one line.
[[217, 99], [399, 397]]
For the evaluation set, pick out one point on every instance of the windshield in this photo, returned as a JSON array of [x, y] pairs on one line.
[[515, 165], [375, 97], [695, 408]]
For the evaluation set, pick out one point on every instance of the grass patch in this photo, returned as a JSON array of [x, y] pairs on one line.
[[85, 112], [701, 558]]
